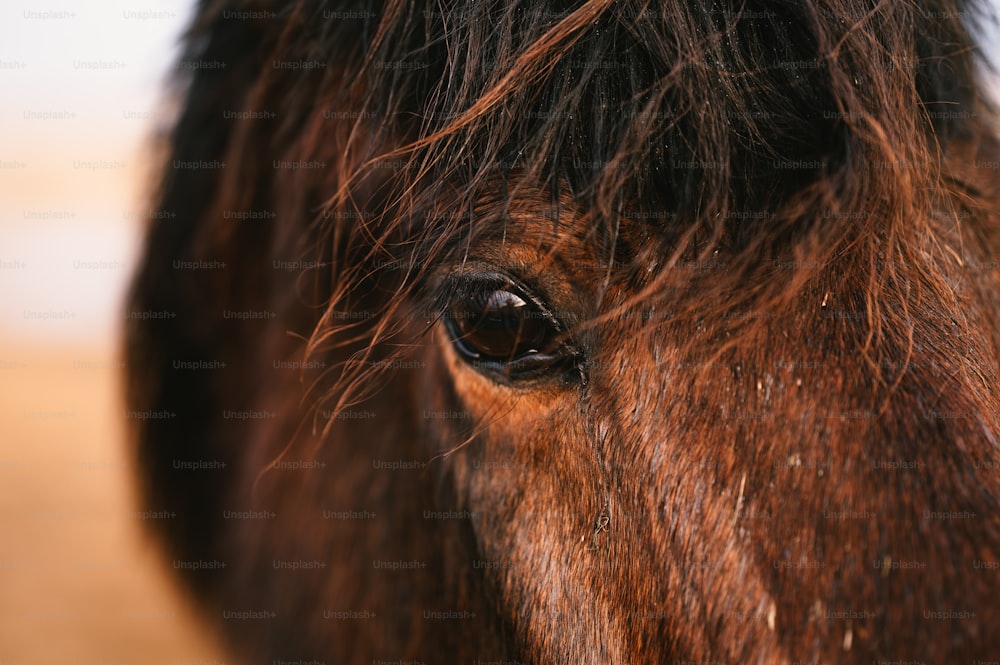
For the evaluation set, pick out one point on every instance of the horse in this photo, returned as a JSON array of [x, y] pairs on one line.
[[577, 332]]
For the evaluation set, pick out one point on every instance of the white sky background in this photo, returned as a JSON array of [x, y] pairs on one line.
[[68, 233]]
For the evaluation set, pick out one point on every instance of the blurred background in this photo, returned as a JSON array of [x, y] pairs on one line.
[[81, 95], [82, 90]]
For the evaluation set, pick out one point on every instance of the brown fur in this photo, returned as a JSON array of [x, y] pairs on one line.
[[771, 229]]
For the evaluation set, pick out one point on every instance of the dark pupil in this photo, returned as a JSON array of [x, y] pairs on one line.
[[500, 326]]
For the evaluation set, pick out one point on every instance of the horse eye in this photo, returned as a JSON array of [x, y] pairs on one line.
[[505, 334]]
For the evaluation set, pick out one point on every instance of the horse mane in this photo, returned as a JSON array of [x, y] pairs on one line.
[[747, 138]]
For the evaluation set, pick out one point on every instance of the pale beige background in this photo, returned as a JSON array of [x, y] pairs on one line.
[[80, 583]]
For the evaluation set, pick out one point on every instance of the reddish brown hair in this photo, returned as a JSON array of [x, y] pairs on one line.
[[770, 229]]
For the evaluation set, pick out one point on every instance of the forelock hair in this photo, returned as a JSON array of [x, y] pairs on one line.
[[833, 135]]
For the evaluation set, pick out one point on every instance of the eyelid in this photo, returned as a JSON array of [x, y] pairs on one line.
[[485, 282]]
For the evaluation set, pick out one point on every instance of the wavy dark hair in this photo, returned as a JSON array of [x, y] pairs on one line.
[[775, 219]]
